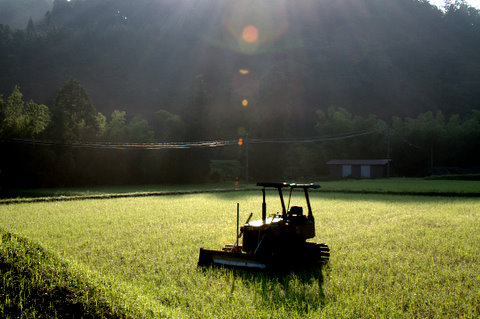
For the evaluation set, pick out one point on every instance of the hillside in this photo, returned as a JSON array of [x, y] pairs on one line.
[[394, 57]]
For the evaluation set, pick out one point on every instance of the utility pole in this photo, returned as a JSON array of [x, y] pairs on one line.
[[388, 151], [246, 159], [431, 156]]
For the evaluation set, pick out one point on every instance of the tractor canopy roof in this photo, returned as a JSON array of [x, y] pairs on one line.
[[291, 185]]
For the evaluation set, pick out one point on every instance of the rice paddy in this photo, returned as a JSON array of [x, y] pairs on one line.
[[391, 256]]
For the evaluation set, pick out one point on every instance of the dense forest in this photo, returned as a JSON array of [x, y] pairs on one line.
[[17, 13], [157, 71]]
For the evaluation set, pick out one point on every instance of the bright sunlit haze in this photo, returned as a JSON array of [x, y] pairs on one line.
[[282, 76]]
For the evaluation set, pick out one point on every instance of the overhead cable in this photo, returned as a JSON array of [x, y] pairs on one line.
[[106, 145], [188, 145], [315, 139]]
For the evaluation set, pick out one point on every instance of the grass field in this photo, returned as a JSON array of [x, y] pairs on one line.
[[392, 256], [405, 185], [381, 186]]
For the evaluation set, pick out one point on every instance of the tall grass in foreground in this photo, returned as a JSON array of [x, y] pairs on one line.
[[392, 256], [36, 284]]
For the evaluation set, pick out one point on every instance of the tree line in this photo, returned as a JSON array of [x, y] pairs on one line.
[[416, 144], [73, 117]]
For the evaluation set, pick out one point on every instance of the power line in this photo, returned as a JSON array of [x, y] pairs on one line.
[[315, 139], [188, 145], [147, 146]]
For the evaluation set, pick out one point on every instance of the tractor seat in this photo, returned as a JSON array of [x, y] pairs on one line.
[[295, 211]]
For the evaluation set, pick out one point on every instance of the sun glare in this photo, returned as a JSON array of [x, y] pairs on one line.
[[250, 34], [255, 25]]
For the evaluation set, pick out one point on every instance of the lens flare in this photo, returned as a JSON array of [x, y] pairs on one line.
[[245, 83], [254, 25], [250, 34], [245, 102]]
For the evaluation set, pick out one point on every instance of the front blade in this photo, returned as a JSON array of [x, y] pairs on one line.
[[229, 259]]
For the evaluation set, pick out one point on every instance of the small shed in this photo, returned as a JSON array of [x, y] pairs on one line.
[[376, 168]]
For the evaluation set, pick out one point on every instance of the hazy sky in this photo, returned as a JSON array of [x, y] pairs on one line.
[[440, 3]]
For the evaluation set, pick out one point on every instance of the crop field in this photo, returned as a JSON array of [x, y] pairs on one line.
[[381, 186], [391, 256]]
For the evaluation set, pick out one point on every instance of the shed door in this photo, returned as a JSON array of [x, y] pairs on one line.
[[365, 171], [346, 170]]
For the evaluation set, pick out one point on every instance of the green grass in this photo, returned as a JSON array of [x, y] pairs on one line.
[[392, 256], [404, 185], [37, 284], [103, 190], [382, 186], [458, 177]]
